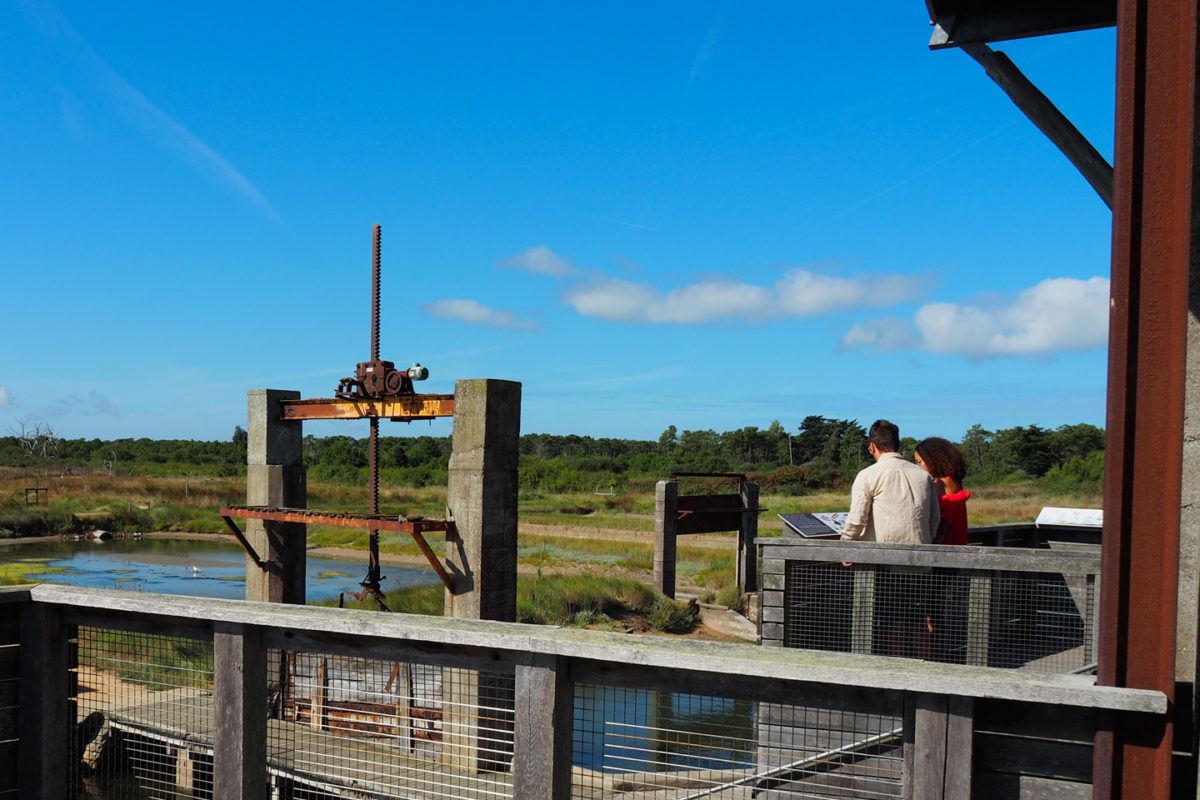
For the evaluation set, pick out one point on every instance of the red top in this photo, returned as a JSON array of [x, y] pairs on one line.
[[954, 512]]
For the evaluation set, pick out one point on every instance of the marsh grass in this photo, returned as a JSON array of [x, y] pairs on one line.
[[153, 661], [568, 600]]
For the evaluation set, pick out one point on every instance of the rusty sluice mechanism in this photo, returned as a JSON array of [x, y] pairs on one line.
[[377, 390], [414, 526]]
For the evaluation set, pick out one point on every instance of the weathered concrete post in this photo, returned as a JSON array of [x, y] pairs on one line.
[[666, 512], [481, 500], [747, 557], [275, 477], [481, 557]]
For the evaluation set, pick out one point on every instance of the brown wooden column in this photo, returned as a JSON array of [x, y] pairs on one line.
[[1154, 170]]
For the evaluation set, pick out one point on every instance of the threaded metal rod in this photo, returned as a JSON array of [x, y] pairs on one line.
[[375, 252], [372, 582]]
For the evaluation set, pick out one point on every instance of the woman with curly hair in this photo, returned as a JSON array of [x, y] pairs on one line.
[[945, 463]]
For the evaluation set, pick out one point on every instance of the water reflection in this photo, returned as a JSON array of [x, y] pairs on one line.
[[197, 568], [633, 730]]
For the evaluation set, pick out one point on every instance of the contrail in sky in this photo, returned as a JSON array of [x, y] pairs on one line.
[[54, 25]]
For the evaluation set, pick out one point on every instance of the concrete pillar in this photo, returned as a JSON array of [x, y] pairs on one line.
[[481, 499], [747, 557], [275, 477], [666, 508], [481, 558]]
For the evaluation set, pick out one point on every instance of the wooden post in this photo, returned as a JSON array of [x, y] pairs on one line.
[[666, 510], [862, 625], [543, 723], [317, 713], [46, 718], [747, 557], [979, 619], [185, 770], [239, 712], [937, 747]]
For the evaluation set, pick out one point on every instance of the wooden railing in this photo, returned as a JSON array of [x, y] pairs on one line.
[[958, 726], [986, 606]]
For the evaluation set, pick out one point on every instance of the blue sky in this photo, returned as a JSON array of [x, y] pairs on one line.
[[707, 215]]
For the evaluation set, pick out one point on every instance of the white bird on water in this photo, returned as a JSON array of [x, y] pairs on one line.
[[195, 569]]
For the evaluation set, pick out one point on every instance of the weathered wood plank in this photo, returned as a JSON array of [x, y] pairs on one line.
[[358, 646], [1025, 787], [960, 747], [43, 762], [10, 721], [1073, 562], [1045, 722], [10, 627], [925, 749], [240, 695], [9, 754], [1027, 756], [542, 733], [698, 658]]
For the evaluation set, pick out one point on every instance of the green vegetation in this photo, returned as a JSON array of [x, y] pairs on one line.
[[156, 662], [819, 454], [568, 600]]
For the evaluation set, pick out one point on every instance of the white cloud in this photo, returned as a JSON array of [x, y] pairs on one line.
[[706, 52], [1056, 314], [475, 313], [799, 293], [6, 400], [539, 260], [885, 333], [159, 124]]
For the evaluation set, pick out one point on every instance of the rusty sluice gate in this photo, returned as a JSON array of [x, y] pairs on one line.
[[414, 527], [377, 390]]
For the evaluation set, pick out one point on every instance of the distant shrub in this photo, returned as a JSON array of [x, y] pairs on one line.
[[669, 616], [732, 598], [1077, 474]]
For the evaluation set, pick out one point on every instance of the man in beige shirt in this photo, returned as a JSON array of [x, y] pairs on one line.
[[892, 500]]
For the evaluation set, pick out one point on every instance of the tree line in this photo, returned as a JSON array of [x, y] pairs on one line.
[[821, 453]]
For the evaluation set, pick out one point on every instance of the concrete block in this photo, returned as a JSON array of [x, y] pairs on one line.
[[269, 438], [481, 499]]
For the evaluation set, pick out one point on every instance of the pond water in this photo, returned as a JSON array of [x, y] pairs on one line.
[[197, 568]]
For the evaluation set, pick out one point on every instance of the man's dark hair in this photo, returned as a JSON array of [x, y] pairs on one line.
[[885, 436]]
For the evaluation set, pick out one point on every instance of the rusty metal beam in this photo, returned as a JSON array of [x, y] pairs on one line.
[[237, 532], [406, 408], [379, 522], [1152, 244]]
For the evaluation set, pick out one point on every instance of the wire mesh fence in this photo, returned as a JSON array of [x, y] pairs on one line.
[[382, 729], [1029, 620], [144, 716], [633, 743]]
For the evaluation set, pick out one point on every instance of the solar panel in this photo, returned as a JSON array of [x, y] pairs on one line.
[[825, 525]]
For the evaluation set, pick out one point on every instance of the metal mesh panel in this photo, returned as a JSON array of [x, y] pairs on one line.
[[638, 743], [1036, 621], [359, 727], [144, 716]]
